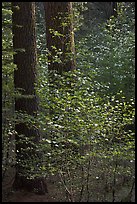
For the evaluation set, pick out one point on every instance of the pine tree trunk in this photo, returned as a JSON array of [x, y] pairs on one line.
[[24, 43], [60, 44], [60, 36]]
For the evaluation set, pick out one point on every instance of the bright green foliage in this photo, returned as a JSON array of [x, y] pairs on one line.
[[81, 117], [89, 113], [78, 10], [81, 127], [111, 55]]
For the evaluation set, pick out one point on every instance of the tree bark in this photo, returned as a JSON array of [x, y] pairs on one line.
[[60, 36], [60, 44], [24, 44]]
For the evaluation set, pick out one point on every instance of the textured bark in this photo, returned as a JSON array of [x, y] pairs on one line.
[[59, 38], [24, 43], [56, 15]]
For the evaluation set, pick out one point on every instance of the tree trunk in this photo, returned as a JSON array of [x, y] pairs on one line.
[[114, 4], [60, 36], [60, 44], [24, 43]]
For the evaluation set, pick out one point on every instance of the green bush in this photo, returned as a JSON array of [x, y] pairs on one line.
[[78, 126], [86, 116], [111, 55]]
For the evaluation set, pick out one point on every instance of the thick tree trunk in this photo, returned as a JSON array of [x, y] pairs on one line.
[[60, 44], [60, 36], [24, 43]]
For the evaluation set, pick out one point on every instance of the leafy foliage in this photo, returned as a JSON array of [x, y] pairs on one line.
[[7, 88], [111, 56], [89, 113], [86, 117], [77, 126]]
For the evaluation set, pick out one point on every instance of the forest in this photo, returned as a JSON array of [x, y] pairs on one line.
[[68, 101]]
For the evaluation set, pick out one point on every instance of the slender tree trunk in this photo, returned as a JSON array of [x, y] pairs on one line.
[[114, 5], [60, 36], [24, 43]]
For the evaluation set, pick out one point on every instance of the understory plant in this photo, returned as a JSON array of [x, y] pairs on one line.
[[82, 135], [86, 117]]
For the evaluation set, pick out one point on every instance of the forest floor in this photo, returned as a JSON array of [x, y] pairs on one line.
[[98, 190], [25, 196]]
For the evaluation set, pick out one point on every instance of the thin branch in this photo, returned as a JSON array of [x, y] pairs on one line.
[[88, 175], [82, 187], [71, 190], [65, 186], [114, 182]]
